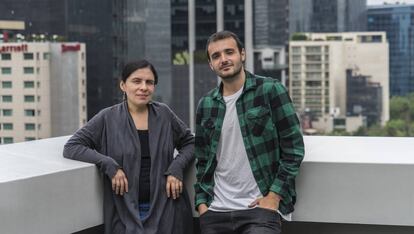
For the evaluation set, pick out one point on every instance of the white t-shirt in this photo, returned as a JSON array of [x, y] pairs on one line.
[[235, 186]]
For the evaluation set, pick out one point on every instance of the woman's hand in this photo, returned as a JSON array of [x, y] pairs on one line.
[[120, 182], [174, 187]]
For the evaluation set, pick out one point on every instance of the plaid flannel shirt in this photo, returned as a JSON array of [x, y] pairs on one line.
[[271, 135]]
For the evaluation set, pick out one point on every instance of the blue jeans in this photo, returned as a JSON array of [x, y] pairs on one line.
[[143, 210]]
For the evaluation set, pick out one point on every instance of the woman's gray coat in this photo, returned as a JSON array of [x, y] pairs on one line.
[[110, 140]]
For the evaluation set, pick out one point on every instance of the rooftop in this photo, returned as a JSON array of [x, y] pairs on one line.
[[343, 181]]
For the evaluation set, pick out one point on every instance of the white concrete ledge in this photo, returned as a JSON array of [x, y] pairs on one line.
[[357, 180], [42, 192]]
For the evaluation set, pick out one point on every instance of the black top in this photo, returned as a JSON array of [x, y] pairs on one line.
[[144, 177]]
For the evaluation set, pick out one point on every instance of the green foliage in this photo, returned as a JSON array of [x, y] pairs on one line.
[[401, 123], [339, 133], [298, 37]]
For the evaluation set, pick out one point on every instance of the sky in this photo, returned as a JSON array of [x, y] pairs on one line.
[[380, 2]]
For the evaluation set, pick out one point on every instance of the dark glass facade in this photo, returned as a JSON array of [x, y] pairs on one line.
[[363, 97], [37, 14], [271, 22], [327, 16], [206, 20], [115, 32], [398, 22]]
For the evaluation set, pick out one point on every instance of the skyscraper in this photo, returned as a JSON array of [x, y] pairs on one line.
[[398, 22], [327, 16], [115, 32]]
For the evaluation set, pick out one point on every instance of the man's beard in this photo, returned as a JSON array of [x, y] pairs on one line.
[[232, 75]]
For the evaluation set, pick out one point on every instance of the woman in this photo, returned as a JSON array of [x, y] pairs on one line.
[[133, 144]]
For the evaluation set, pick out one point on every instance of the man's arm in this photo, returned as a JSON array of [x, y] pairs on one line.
[[290, 138], [201, 160]]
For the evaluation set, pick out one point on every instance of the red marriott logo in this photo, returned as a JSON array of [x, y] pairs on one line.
[[13, 48], [66, 48]]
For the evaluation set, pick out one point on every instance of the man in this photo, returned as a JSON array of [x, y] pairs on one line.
[[249, 147]]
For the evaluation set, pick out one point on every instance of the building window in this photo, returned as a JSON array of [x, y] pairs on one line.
[[6, 84], [296, 49], [38, 84], [28, 56], [28, 70], [29, 84], [38, 70], [7, 112], [29, 112], [30, 138], [5, 56], [46, 56], [6, 70], [30, 126], [8, 140], [7, 126], [313, 49], [7, 98], [29, 98]]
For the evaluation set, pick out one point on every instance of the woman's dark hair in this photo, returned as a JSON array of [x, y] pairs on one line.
[[131, 67], [221, 36]]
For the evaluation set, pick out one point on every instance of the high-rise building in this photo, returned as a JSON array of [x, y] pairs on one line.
[[115, 32], [327, 16], [322, 69], [43, 90], [270, 35], [398, 22], [206, 24]]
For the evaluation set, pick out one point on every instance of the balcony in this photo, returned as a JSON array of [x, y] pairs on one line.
[[346, 185]]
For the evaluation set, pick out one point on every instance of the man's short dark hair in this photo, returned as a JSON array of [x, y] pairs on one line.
[[223, 35]]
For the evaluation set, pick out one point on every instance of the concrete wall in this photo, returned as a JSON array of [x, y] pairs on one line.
[[346, 185]]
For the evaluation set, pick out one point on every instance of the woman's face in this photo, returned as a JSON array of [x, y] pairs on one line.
[[139, 87]]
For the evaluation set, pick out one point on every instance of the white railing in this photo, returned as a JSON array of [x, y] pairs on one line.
[[356, 180]]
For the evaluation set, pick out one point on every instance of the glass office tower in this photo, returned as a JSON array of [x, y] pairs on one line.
[[398, 22]]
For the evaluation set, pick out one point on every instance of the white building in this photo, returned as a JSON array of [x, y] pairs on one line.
[[42, 90], [320, 67]]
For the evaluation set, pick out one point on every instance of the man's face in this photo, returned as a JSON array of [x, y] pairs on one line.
[[225, 58]]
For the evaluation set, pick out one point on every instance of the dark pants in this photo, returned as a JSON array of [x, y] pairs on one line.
[[254, 221]]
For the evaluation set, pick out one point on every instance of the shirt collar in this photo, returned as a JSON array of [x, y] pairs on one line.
[[249, 83]]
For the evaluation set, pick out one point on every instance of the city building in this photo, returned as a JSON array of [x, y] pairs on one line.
[[115, 32], [327, 16], [329, 70], [42, 90], [269, 39], [397, 20]]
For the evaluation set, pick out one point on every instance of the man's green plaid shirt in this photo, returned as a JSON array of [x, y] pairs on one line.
[[271, 135]]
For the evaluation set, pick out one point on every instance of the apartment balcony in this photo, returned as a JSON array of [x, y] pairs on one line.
[[346, 185]]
